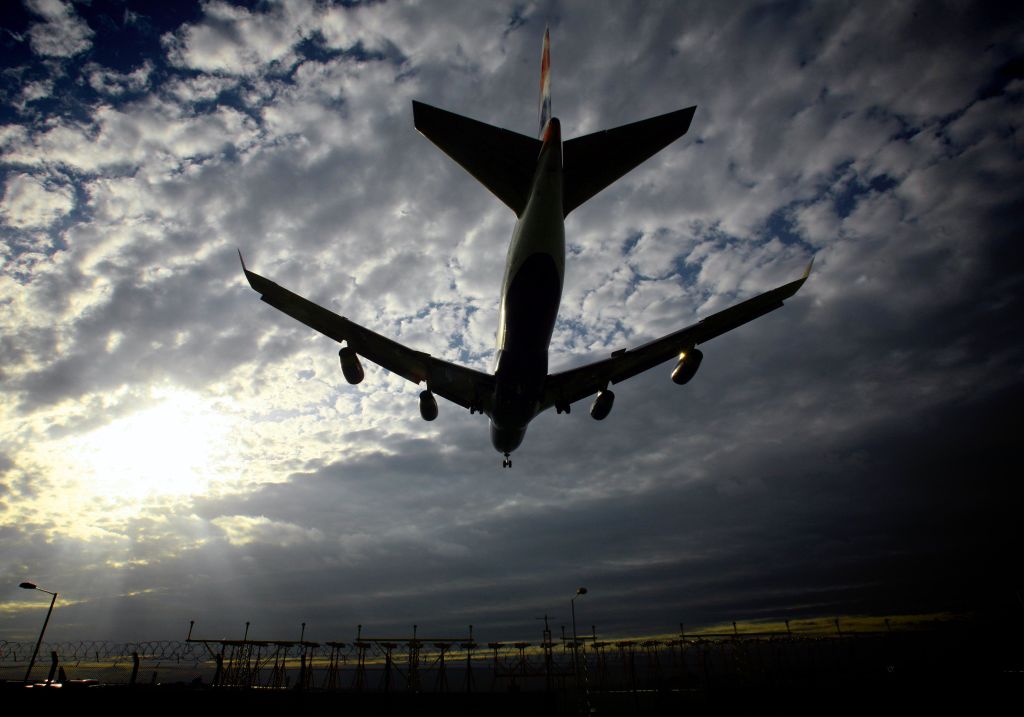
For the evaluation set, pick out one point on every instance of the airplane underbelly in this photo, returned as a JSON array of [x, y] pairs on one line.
[[506, 440], [531, 305]]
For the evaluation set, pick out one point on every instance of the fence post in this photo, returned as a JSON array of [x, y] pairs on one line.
[[135, 669]]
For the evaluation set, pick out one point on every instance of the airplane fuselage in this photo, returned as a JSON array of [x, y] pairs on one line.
[[530, 295]]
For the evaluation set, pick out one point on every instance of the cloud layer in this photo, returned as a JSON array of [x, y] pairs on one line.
[[172, 449]]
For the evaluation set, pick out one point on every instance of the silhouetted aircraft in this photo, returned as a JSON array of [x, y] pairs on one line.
[[541, 180]]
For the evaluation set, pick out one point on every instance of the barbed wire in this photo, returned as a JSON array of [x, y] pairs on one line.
[[105, 650]]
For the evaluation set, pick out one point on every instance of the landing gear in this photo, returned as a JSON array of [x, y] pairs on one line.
[[507, 462]]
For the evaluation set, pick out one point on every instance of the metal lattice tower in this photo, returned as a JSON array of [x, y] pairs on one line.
[[469, 646], [332, 681], [359, 679]]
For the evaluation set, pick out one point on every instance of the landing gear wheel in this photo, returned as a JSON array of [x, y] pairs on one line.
[[507, 462]]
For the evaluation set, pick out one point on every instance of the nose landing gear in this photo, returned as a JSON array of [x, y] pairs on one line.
[[506, 462]]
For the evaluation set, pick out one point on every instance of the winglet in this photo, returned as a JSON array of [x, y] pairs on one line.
[[785, 291], [252, 278], [807, 271]]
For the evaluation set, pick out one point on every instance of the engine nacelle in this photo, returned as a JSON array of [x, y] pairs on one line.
[[602, 405], [350, 365], [428, 405], [689, 362]]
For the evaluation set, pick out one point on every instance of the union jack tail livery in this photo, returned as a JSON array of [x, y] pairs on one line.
[[545, 83]]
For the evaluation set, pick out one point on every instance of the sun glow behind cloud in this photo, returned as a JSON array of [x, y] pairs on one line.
[[178, 447]]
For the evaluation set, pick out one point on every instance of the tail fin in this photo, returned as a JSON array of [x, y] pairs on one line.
[[545, 82], [505, 161], [501, 160]]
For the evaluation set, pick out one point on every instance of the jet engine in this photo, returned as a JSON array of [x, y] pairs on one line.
[[428, 405], [350, 365], [689, 362], [602, 405]]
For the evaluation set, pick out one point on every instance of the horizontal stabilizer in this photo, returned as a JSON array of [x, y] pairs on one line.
[[501, 160], [592, 162]]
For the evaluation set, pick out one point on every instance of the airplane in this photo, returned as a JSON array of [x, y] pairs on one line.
[[541, 180]]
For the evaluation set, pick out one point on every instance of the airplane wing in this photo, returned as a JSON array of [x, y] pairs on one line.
[[566, 387], [463, 386]]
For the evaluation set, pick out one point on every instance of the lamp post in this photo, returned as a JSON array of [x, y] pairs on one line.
[[575, 642], [32, 662]]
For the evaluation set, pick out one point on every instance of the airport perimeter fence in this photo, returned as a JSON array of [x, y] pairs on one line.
[[705, 663]]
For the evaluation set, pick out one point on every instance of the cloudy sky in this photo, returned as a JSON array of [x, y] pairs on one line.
[[173, 449]]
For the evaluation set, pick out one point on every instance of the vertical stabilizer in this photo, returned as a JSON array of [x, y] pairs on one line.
[[545, 83]]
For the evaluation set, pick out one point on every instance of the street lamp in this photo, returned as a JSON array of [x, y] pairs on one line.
[[575, 642], [32, 662]]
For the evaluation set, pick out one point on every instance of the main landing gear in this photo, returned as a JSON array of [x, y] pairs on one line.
[[507, 462]]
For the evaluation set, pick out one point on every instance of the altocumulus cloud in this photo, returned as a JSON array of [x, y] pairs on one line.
[[62, 33], [27, 202], [172, 449]]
